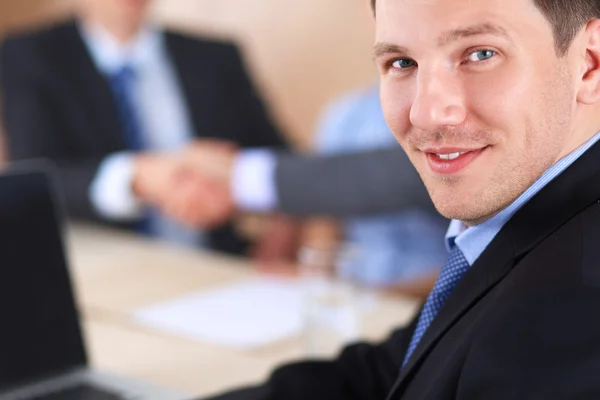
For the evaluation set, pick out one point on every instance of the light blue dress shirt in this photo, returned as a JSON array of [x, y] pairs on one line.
[[473, 241], [391, 248], [164, 120]]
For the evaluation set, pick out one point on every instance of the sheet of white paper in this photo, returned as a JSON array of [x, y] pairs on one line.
[[244, 315]]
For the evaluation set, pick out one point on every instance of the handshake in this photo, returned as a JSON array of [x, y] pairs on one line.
[[191, 186]]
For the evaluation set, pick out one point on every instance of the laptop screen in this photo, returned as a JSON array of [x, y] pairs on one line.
[[39, 329]]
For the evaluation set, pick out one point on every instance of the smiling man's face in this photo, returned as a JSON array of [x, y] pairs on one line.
[[477, 96]]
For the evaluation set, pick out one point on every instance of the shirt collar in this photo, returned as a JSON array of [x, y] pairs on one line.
[[110, 55], [472, 241], [456, 228]]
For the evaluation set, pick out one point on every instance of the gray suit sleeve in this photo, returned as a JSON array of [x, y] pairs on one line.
[[350, 184]]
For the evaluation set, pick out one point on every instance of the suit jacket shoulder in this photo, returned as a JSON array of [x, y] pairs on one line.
[[223, 54], [217, 84], [196, 42], [49, 42]]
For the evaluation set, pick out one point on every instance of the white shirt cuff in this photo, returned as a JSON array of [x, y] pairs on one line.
[[253, 180], [110, 191]]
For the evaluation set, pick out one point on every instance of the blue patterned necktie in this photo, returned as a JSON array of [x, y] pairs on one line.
[[452, 271], [122, 83]]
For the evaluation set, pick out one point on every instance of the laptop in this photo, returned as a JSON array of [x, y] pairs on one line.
[[42, 351]]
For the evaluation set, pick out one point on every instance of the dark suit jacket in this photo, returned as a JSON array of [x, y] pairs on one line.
[[57, 105], [522, 323]]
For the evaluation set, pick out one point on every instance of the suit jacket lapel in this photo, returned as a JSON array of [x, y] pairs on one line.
[[93, 91], [568, 194], [485, 273]]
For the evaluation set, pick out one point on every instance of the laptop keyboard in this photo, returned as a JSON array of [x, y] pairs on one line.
[[79, 392]]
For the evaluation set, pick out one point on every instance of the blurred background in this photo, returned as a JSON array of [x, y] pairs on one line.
[[302, 53]]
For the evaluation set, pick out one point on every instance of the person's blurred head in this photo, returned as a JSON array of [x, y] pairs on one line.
[[486, 95], [123, 18]]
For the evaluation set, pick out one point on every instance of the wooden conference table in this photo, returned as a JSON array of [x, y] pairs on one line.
[[114, 273]]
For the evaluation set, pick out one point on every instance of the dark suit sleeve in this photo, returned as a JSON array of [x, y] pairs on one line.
[[545, 346], [32, 127], [251, 109], [351, 184], [361, 372]]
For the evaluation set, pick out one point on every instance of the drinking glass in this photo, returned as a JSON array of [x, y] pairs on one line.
[[330, 312]]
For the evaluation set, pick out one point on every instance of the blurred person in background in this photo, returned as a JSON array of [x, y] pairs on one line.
[[112, 98], [403, 249]]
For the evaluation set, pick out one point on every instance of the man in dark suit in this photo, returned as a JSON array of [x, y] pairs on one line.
[[106, 94], [497, 104]]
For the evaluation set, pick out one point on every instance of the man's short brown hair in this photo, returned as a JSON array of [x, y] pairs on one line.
[[565, 16]]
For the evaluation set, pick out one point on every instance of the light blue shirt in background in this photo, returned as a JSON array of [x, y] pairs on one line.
[[391, 248], [474, 240]]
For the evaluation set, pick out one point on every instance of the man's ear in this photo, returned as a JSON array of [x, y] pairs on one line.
[[589, 88]]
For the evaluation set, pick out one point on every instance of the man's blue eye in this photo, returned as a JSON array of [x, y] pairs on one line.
[[403, 63], [481, 55]]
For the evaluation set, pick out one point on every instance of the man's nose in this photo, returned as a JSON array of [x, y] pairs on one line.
[[439, 101]]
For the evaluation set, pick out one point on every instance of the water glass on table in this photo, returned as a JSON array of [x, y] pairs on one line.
[[330, 314]]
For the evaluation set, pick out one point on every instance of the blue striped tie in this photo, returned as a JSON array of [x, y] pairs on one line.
[[452, 271], [122, 83]]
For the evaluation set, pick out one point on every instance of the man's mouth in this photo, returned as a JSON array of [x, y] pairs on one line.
[[451, 160]]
